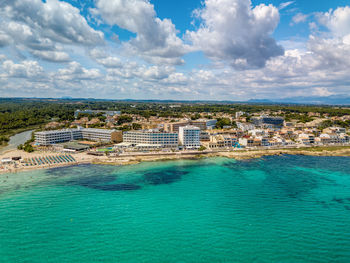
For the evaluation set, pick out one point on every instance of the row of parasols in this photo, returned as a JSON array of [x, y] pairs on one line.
[[51, 159]]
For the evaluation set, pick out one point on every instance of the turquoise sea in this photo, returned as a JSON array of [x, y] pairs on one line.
[[273, 209]]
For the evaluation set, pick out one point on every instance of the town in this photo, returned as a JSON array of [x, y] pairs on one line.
[[122, 136], [158, 133]]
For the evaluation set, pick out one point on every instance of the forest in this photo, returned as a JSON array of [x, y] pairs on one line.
[[22, 113]]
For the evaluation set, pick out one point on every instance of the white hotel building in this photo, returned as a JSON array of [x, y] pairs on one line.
[[66, 135], [189, 137], [152, 138]]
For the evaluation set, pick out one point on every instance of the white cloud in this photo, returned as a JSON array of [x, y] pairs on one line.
[[45, 28], [177, 78], [53, 19], [321, 92], [25, 69], [332, 53], [234, 31], [155, 72], [299, 18], [53, 56], [133, 70], [285, 5], [4, 39], [338, 21], [110, 62], [156, 39], [76, 72]]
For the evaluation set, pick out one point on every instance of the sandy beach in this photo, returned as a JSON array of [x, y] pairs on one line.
[[134, 158]]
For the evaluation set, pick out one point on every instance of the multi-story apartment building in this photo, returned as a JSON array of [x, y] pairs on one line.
[[239, 114], [245, 126], [101, 135], [152, 137], [189, 137], [58, 136], [104, 112], [268, 121], [174, 126], [202, 124]]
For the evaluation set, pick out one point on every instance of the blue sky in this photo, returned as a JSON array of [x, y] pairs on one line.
[[139, 49]]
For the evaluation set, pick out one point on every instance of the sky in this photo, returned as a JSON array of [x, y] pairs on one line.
[[181, 50]]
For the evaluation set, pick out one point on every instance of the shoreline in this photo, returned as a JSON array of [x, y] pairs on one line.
[[129, 159]]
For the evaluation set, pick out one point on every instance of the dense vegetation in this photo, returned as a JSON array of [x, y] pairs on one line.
[[329, 123], [16, 114], [27, 147], [20, 113], [4, 140], [222, 122]]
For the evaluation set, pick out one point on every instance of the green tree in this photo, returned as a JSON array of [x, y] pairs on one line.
[[136, 126], [223, 122], [202, 148]]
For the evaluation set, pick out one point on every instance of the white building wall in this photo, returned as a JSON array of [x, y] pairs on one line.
[[189, 137]]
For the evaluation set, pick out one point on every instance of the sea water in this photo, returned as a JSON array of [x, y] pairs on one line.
[[273, 209]]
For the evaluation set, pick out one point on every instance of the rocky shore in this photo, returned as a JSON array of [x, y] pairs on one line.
[[83, 158]]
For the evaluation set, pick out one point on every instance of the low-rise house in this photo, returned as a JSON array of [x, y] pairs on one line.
[[336, 130], [52, 125], [93, 122], [204, 136], [221, 141], [306, 139], [245, 126], [257, 132], [249, 142]]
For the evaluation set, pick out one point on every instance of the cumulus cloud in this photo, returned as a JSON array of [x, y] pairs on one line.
[[234, 31], [337, 21], [4, 39], [141, 72], [25, 69], [110, 62], [54, 19], [156, 39], [43, 28], [332, 53], [53, 56], [104, 59], [76, 72]]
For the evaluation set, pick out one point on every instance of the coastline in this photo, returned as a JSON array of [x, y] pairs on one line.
[[129, 159], [18, 131]]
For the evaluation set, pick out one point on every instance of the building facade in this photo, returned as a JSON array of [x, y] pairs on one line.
[[66, 135], [268, 121], [152, 137], [104, 112], [189, 137], [202, 124]]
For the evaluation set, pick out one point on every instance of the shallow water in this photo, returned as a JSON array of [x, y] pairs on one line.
[[274, 209]]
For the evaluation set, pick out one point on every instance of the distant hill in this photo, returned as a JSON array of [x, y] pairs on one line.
[[330, 100], [313, 100]]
